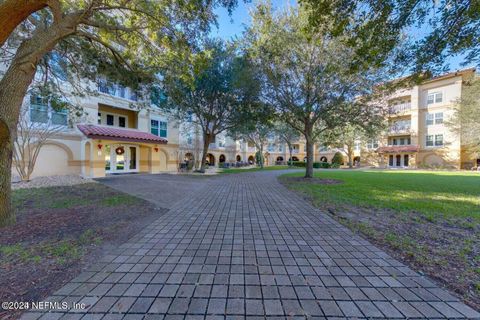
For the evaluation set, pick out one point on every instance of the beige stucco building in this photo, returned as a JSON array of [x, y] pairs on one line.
[[113, 135], [417, 136]]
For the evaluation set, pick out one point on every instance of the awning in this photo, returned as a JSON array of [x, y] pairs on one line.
[[396, 149], [109, 133]]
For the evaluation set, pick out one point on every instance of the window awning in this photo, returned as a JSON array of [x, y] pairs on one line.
[[395, 149], [109, 133]]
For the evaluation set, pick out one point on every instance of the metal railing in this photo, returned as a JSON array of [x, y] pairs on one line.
[[398, 108]]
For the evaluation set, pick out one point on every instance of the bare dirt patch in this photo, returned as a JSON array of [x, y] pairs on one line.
[[447, 251], [311, 180], [59, 232]]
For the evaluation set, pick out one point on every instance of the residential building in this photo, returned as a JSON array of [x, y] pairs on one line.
[[114, 136], [111, 136], [418, 135]]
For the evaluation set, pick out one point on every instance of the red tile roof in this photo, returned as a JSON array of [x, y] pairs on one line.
[[393, 149], [109, 133]]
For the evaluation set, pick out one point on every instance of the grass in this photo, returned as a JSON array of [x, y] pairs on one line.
[[433, 194], [37, 198], [428, 219], [266, 168]]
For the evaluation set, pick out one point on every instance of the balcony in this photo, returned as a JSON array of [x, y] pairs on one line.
[[399, 129], [116, 90], [295, 151], [400, 108], [251, 149]]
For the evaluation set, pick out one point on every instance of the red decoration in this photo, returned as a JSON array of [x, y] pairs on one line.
[[156, 149], [120, 151], [99, 146]]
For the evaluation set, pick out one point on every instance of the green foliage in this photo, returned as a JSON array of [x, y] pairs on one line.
[[300, 164], [376, 30], [218, 92], [321, 165], [337, 160], [466, 120], [308, 76]]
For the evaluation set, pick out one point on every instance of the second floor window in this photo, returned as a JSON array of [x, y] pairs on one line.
[[434, 97], [121, 122], [372, 144], [434, 118], [158, 128], [434, 140], [42, 112]]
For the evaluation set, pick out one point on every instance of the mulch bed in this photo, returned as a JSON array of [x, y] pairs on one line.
[[59, 232]]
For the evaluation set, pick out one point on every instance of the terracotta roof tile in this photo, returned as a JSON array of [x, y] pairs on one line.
[[101, 132], [392, 149]]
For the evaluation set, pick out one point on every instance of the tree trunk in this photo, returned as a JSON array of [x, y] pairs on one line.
[[350, 156], [206, 143], [13, 87], [261, 157], [309, 166], [7, 215], [290, 152]]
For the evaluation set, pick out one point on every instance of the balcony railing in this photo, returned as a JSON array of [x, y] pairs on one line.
[[295, 151], [251, 149], [116, 90], [398, 108], [400, 128]]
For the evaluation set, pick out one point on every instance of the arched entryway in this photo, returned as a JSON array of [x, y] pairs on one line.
[[251, 159], [304, 159], [239, 158], [221, 159], [293, 159], [323, 159], [210, 159], [356, 161], [188, 157], [279, 159]]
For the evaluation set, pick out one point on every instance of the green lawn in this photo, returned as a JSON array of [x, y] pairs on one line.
[[450, 194], [266, 168], [429, 220]]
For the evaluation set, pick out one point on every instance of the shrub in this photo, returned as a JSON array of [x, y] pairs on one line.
[[322, 165], [299, 164], [337, 160]]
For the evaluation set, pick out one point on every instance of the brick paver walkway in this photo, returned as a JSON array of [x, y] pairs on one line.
[[243, 246]]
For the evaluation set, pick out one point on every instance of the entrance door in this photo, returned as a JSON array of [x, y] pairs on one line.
[[405, 160], [390, 160], [121, 158], [398, 162]]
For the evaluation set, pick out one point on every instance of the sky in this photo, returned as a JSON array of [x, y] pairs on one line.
[[231, 26]]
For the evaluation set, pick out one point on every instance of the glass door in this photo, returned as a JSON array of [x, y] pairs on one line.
[[121, 158]]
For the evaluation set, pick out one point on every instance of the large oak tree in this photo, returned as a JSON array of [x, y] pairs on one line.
[[311, 79], [218, 91]]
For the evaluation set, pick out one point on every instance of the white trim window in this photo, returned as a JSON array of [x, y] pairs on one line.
[[42, 112], [434, 140], [438, 117], [434, 118], [158, 128], [435, 97], [372, 144]]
